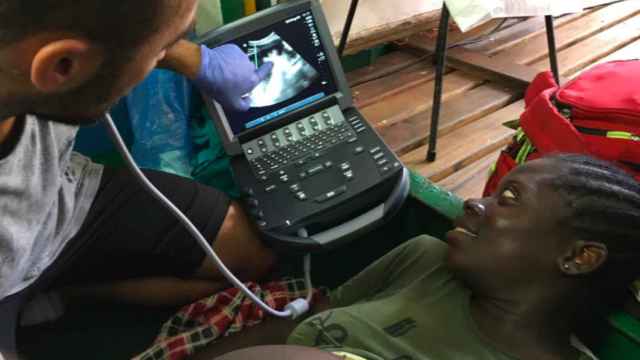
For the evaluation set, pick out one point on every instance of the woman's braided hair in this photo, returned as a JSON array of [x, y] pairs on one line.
[[605, 207]]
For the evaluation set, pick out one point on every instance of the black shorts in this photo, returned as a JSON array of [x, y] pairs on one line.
[[128, 234]]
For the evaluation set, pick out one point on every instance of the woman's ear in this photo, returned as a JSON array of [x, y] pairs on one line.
[[583, 258], [65, 64]]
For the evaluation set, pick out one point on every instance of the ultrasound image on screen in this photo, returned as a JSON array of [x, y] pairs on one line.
[[301, 72], [291, 73]]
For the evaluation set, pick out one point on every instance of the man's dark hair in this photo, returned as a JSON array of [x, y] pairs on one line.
[[112, 23], [605, 207]]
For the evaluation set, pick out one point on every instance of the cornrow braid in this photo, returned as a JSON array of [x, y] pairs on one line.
[[605, 207]]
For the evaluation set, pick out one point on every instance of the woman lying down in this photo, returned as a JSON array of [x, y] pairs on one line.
[[520, 272]]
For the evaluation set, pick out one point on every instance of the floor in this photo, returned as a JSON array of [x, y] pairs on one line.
[[395, 93]]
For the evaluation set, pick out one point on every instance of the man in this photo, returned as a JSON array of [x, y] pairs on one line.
[[72, 225]]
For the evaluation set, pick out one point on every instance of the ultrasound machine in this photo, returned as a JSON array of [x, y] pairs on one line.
[[313, 172]]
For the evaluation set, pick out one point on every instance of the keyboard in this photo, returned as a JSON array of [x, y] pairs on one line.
[[315, 172], [298, 142]]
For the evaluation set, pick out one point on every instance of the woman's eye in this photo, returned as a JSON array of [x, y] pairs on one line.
[[509, 194]]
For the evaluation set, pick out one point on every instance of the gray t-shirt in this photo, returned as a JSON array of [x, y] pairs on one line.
[[46, 191]]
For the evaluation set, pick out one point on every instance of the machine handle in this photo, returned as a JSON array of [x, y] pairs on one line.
[[354, 226]]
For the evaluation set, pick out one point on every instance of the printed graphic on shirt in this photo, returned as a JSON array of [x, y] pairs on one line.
[[336, 335], [401, 328], [328, 334]]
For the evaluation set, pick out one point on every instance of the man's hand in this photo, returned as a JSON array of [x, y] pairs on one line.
[[227, 75]]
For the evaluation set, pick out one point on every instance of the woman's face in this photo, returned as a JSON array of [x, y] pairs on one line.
[[516, 236]]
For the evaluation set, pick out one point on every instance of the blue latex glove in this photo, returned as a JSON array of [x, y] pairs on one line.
[[227, 75]]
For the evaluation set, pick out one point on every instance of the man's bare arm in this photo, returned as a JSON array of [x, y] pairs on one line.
[[6, 128], [184, 58]]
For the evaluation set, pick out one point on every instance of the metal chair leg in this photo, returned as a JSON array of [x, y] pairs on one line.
[[347, 27], [553, 52], [441, 59]]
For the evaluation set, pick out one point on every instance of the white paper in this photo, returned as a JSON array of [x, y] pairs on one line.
[[471, 13], [519, 8]]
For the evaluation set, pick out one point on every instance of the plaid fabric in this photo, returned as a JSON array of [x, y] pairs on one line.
[[201, 323]]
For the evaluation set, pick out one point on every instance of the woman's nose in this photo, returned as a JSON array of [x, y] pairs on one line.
[[474, 207]]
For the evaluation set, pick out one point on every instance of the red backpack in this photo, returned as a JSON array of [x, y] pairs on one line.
[[597, 113]]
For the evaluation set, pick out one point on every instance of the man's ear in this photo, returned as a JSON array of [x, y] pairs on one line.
[[583, 258], [65, 64]]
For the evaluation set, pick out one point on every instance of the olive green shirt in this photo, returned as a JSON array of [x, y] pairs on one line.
[[406, 306]]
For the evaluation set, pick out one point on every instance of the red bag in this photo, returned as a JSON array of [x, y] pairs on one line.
[[597, 113]]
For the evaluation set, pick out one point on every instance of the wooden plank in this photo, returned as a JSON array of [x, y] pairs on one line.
[[506, 67], [391, 32], [488, 41], [510, 35], [376, 90], [535, 48], [416, 100], [497, 69], [629, 52], [412, 133], [405, 105], [469, 182], [466, 145], [579, 56], [455, 36], [519, 32], [381, 66]]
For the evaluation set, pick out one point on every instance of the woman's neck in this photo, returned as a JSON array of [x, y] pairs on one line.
[[6, 126], [532, 329]]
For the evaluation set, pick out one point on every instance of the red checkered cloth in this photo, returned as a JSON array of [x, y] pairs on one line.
[[201, 323]]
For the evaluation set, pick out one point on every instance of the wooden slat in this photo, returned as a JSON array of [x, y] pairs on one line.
[[391, 32], [377, 90], [416, 100], [497, 69], [407, 135], [466, 145], [519, 32], [381, 66], [598, 46], [490, 42], [536, 48], [629, 52], [455, 36], [510, 36], [469, 182]]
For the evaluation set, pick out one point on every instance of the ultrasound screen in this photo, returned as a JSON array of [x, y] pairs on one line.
[[301, 73]]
